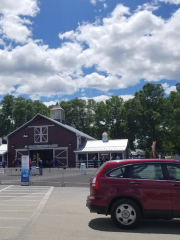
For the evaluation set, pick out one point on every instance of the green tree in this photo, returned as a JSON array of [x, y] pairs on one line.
[[6, 116], [90, 117], [41, 108], [100, 119], [150, 115], [130, 124], [75, 113], [115, 117], [147, 153], [19, 112], [173, 121]]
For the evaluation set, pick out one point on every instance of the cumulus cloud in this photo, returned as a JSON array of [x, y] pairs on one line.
[[13, 28], [168, 88], [50, 103], [126, 97], [148, 6], [121, 49], [170, 1], [20, 7], [101, 82], [13, 24], [129, 47], [105, 97], [95, 1]]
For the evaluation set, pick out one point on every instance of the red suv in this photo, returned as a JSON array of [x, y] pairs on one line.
[[131, 190]]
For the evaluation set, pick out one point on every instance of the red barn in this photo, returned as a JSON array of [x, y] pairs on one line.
[[46, 138]]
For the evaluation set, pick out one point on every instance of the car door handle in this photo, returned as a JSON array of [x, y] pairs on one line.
[[176, 184], [133, 182]]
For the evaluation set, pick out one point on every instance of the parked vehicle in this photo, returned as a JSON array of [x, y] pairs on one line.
[[131, 190]]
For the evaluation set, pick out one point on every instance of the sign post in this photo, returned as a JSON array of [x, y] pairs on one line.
[[83, 169], [25, 169]]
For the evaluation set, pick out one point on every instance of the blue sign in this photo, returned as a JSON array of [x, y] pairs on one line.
[[25, 169], [25, 175]]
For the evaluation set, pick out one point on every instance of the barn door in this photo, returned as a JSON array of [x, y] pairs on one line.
[[61, 155]]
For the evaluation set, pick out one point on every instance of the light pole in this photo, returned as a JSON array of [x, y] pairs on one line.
[[26, 135]]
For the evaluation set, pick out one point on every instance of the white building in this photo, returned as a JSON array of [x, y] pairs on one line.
[[3, 150], [109, 148]]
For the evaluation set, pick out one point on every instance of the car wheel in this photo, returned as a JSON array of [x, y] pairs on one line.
[[126, 214]]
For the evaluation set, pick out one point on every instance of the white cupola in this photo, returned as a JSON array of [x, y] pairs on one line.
[[105, 137], [57, 113]]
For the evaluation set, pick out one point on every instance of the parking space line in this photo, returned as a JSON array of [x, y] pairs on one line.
[[25, 228], [9, 227], [5, 218], [4, 189]]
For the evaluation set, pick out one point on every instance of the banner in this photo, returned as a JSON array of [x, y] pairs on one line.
[[25, 168], [154, 149]]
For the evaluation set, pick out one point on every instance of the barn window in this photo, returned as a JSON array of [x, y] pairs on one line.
[[40, 134]]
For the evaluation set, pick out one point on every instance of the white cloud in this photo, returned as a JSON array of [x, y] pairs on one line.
[[129, 48], [95, 1], [98, 98], [13, 24], [20, 7], [13, 28], [105, 97], [105, 5], [170, 1], [123, 48], [126, 97], [168, 88], [148, 6], [101, 82], [50, 103]]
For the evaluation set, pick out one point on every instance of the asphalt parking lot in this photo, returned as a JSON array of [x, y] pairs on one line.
[[45, 212]]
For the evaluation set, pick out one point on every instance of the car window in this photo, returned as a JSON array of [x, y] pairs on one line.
[[122, 172], [147, 171], [174, 171], [96, 172]]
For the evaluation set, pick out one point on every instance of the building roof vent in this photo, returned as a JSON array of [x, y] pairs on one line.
[[105, 137], [57, 113]]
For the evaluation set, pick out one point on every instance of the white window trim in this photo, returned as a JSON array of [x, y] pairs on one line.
[[41, 135]]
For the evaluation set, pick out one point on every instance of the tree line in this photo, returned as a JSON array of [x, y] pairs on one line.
[[148, 117]]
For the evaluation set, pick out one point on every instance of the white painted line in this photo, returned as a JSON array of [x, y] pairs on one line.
[[24, 190], [17, 200], [8, 196], [30, 188], [25, 229], [24, 193], [5, 188], [9, 227], [16, 205], [1, 218]]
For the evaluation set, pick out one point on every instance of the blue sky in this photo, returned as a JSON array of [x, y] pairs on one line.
[[54, 50]]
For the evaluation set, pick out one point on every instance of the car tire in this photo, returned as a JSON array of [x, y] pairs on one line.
[[126, 214]]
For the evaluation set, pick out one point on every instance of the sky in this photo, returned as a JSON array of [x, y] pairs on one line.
[[54, 50]]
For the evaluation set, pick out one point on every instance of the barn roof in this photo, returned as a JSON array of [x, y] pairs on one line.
[[100, 146], [79, 133]]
